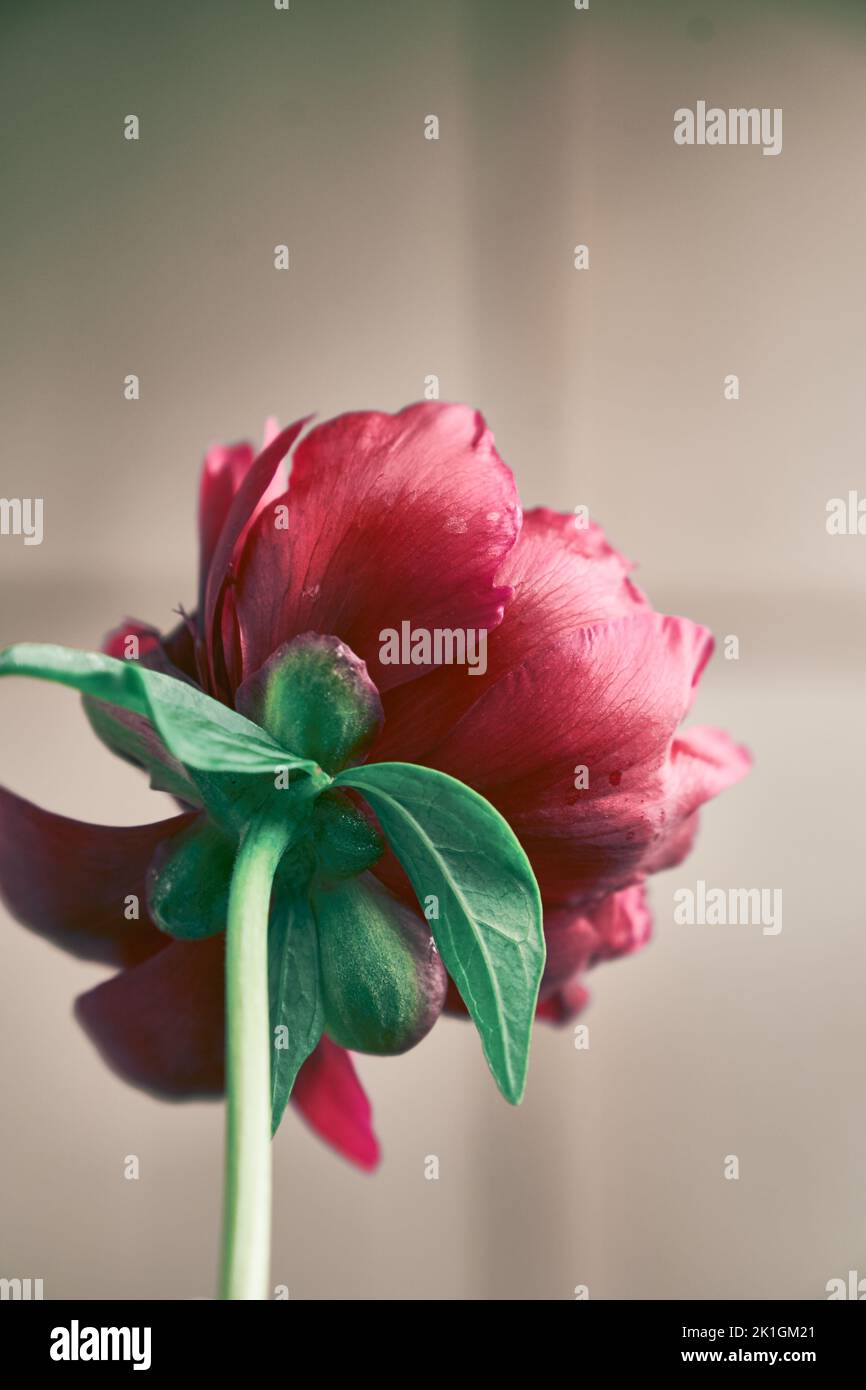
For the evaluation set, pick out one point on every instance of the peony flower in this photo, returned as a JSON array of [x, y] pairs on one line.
[[388, 520]]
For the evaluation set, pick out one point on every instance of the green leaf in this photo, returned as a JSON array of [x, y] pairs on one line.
[[188, 882], [295, 994], [134, 739], [457, 848], [200, 732]]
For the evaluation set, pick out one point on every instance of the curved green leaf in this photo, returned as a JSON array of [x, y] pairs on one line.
[[200, 732], [133, 738], [459, 851]]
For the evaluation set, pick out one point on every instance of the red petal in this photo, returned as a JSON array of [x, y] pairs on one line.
[[173, 653], [392, 518], [115, 642], [609, 697], [563, 578], [225, 468], [68, 880], [160, 1024], [702, 763], [576, 941], [251, 496], [333, 1102], [565, 1004]]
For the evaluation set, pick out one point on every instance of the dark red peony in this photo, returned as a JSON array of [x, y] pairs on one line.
[[568, 726]]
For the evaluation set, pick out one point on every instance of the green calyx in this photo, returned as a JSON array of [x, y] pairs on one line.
[[344, 956]]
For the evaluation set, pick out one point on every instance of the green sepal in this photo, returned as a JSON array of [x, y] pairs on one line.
[[233, 799], [296, 1013], [344, 840], [457, 849], [314, 695], [188, 882]]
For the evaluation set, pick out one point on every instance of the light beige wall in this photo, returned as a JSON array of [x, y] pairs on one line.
[[605, 388]]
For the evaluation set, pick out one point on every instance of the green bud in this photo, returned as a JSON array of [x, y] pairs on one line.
[[383, 983]]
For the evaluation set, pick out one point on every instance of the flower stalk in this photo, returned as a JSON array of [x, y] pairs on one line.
[[246, 1241]]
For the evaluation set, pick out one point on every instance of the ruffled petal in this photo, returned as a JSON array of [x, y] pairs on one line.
[[608, 698], [576, 941], [225, 467], [703, 762], [68, 881], [392, 518], [261, 483], [332, 1100], [160, 1025], [563, 577]]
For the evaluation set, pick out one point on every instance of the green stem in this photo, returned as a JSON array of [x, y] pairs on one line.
[[246, 1242]]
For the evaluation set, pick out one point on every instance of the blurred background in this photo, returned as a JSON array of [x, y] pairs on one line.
[[455, 258]]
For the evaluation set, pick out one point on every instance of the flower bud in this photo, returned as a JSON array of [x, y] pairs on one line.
[[383, 982]]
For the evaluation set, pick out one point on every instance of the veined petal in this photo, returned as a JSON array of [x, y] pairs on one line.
[[621, 688], [563, 577], [392, 519], [251, 496], [225, 467], [702, 763]]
